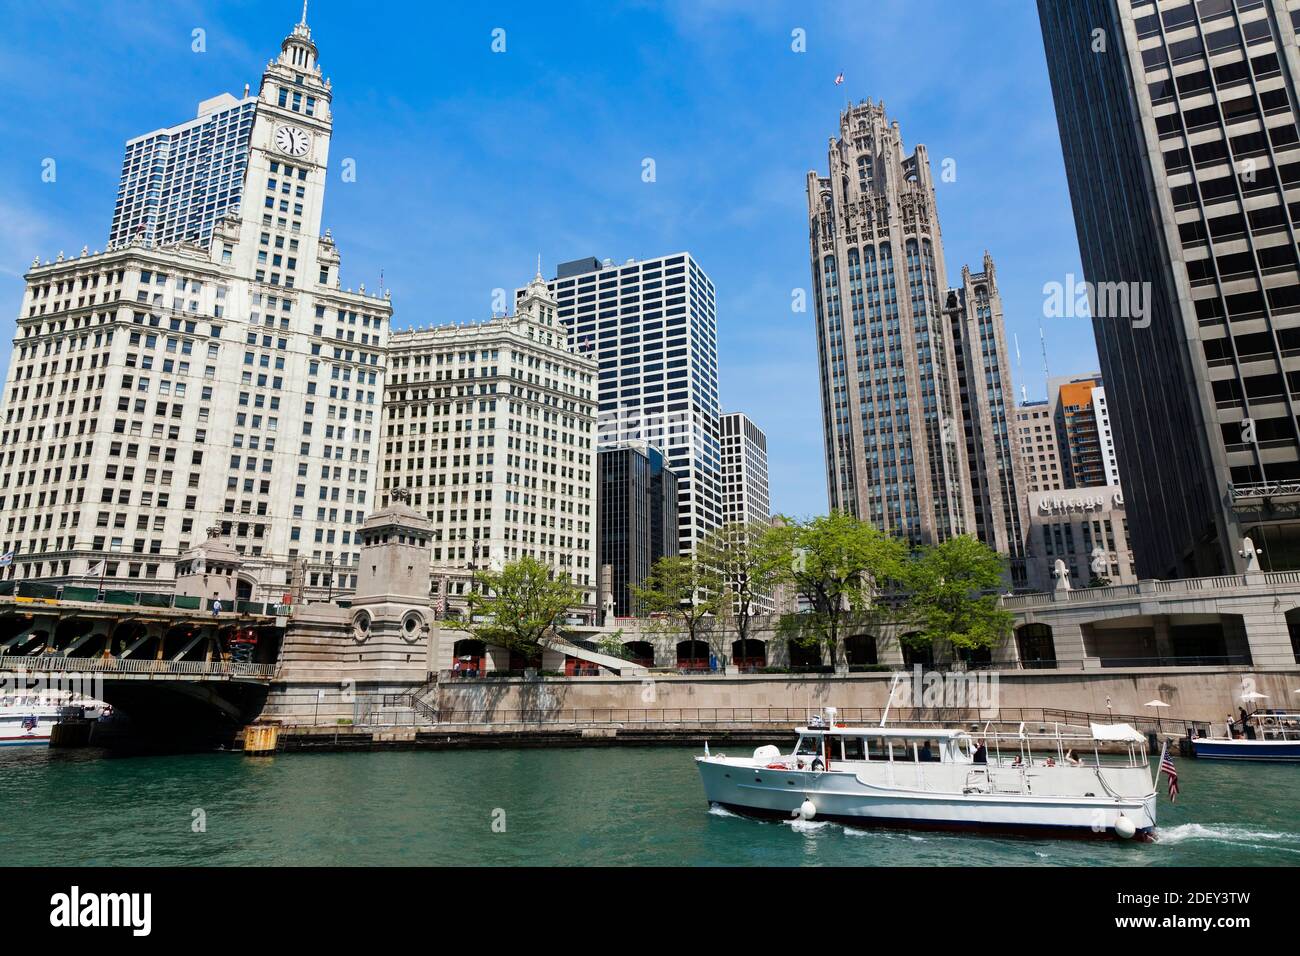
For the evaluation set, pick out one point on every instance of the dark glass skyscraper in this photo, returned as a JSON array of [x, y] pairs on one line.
[[1178, 125], [637, 516]]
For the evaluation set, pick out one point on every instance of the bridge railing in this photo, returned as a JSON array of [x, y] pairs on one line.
[[118, 665], [1221, 582]]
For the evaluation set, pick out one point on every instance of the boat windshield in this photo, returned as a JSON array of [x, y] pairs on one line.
[[809, 746]]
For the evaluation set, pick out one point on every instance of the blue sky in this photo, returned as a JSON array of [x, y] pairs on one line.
[[469, 163]]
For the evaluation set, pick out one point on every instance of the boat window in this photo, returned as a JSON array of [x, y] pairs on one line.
[[901, 751], [809, 746], [876, 749], [851, 748]]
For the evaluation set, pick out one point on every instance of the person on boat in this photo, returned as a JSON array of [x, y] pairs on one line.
[[1232, 727], [1071, 759], [926, 754], [1246, 726], [1018, 762], [981, 753]]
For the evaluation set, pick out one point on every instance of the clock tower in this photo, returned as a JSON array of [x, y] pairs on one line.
[[289, 146]]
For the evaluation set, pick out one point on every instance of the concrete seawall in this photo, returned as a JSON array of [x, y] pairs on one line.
[[1201, 694]]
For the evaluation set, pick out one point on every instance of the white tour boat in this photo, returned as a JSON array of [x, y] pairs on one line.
[[27, 719], [946, 779]]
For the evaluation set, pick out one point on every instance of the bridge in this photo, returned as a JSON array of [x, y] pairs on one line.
[[171, 661]]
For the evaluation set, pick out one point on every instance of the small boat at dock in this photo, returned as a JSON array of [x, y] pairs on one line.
[[1096, 783], [1268, 736]]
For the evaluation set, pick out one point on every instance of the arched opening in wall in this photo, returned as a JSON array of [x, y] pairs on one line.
[[1036, 647], [519, 661], [914, 653], [974, 658], [243, 589], [749, 655], [860, 651], [805, 655], [692, 656], [1293, 626], [468, 658], [640, 652]]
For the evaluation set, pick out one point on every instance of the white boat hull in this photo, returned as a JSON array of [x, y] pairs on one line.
[[932, 796], [14, 734]]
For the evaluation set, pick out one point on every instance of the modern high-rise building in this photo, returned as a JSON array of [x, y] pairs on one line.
[[1082, 431], [178, 183], [157, 391], [890, 403], [1066, 440], [987, 396], [746, 498], [637, 517], [1178, 122], [491, 429], [652, 326]]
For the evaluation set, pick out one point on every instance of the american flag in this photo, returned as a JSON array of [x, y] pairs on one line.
[[839, 79], [1167, 768]]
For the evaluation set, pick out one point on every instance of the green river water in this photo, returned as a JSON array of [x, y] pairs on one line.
[[611, 806]]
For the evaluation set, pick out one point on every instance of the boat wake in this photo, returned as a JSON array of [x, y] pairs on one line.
[[1226, 833], [721, 811]]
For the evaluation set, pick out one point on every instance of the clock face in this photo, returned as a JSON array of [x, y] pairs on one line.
[[291, 140]]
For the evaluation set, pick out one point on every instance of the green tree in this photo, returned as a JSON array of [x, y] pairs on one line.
[[518, 605], [682, 595], [839, 564], [750, 559], [953, 592]]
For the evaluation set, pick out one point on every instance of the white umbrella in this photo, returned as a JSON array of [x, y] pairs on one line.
[[1157, 703], [1254, 695]]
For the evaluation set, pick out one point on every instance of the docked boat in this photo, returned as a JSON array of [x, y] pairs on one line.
[[1269, 735], [29, 719], [946, 779]]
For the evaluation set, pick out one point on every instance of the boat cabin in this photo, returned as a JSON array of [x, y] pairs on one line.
[[894, 744]]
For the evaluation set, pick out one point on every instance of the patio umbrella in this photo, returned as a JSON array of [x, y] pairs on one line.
[[1157, 703], [1254, 695]]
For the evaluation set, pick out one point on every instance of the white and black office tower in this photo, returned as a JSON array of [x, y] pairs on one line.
[[652, 326]]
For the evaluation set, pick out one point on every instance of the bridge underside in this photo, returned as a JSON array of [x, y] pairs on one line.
[[181, 714]]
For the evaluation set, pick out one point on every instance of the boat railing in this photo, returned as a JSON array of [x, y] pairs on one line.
[[1276, 726], [1021, 749]]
